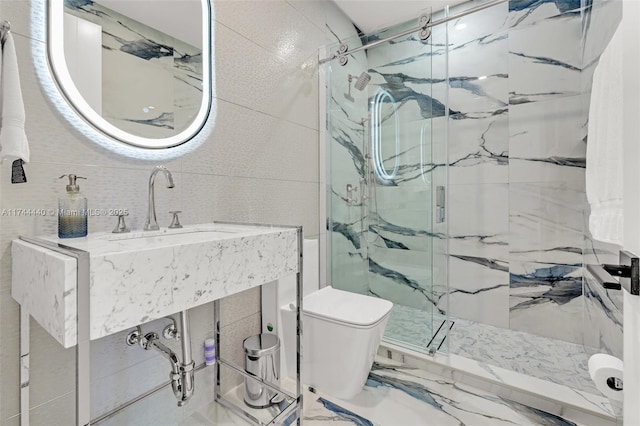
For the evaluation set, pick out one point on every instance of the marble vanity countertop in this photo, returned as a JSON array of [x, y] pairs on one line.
[[141, 276]]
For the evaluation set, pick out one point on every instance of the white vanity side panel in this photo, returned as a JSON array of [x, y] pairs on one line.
[[44, 283], [194, 274]]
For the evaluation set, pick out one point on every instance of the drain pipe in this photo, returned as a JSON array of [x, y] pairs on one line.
[[182, 373], [151, 341], [188, 365]]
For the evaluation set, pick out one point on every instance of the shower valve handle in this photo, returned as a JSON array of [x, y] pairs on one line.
[[350, 190]]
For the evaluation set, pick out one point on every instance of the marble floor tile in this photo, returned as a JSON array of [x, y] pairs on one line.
[[397, 395], [556, 361]]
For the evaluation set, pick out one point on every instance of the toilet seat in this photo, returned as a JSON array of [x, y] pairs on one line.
[[342, 307]]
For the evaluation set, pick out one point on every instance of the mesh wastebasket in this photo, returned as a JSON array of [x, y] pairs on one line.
[[261, 359]]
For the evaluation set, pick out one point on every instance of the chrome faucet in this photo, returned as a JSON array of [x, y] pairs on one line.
[[151, 223]]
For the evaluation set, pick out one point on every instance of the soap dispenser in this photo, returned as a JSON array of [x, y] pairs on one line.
[[72, 211]]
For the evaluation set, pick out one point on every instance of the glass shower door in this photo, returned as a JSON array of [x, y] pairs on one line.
[[387, 189]]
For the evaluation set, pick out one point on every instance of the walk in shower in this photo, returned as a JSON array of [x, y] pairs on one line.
[[385, 178], [456, 184]]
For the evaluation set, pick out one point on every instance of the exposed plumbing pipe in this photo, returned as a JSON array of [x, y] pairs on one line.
[[188, 365], [182, 373], [151, 341]]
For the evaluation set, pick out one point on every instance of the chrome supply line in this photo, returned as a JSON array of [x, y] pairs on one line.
[[423, 28]]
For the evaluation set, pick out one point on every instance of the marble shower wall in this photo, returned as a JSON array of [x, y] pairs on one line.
[[516, 157]]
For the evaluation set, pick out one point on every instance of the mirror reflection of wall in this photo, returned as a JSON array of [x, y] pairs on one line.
[[141, 80]]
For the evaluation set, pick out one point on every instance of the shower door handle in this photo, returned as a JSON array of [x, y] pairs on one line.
[[440, 204]]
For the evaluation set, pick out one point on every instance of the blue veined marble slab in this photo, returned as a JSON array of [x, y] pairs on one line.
[[479, 148], [523, 124], [334, 414], [527, 12], [547, 300], [556, 361], [397, 395], [545, 60], [546, 142], [603, 319]]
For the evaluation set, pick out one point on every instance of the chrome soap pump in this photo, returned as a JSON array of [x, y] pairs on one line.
[[72, 211]]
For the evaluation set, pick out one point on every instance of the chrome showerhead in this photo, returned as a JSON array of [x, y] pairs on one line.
[[362, 81]]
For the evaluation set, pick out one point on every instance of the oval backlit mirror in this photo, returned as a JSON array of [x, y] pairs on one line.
[[138, 74]]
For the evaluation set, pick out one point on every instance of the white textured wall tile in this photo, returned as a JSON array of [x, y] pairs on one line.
[[231, 339], [159, 409], [250, 200], [60, 411], [9, 356], [339, 27], [18, 12], [50, 367], [274, 25], [240, 79], [239, 306], [314, 10], [249, 143]]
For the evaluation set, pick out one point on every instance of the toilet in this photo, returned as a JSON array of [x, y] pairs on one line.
[[341, 330]]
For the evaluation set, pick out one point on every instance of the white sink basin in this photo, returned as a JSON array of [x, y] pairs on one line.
[[141, 276], [207, 231]]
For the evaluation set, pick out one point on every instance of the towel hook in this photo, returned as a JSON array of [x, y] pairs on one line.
[[5, 27]]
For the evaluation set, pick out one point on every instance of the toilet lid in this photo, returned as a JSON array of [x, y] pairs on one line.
[[346, 307]]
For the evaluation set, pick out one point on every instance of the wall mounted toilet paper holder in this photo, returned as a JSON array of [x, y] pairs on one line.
[[627, 272]]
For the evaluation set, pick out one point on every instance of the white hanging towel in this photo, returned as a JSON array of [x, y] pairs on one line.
[[13, 140], [604, 178]]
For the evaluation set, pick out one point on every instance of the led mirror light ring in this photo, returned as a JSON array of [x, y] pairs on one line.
[[376, 135], [68, 101]]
